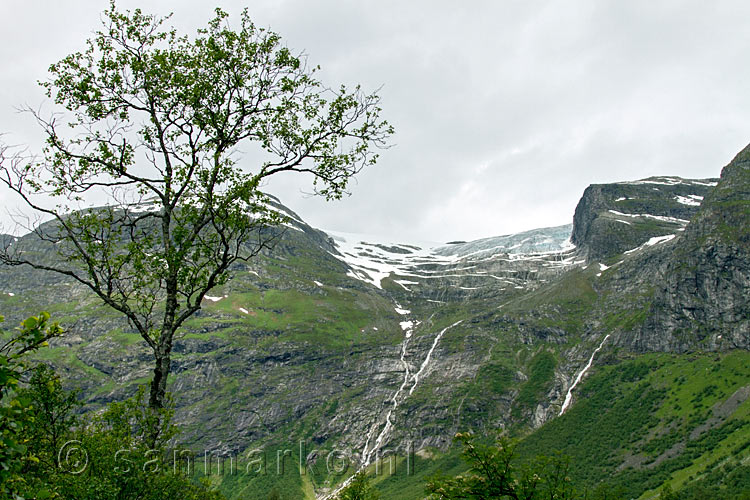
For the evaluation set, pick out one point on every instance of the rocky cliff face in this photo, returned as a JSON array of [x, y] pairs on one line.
[[613, 218], [703, 300], [367, 345]]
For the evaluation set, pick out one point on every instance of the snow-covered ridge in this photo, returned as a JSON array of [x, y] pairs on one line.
[[536, 241], [673, 181], [271, 203], [372, 258]]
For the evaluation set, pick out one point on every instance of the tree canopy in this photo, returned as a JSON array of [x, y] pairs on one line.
[[494, 474], [178, 134]]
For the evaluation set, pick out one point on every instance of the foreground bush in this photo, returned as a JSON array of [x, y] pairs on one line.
[[49, 451]]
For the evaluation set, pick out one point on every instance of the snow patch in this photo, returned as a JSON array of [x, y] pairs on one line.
[[692, 200], [662, 218], [242, 309], [403, 283], [214, 299], [406, 325], [653, 241], [602, 268], [318, 283], [152, 205]]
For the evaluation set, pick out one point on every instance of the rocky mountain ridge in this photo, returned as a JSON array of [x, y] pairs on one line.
[[613, 218], [704, 296], [366, 345]]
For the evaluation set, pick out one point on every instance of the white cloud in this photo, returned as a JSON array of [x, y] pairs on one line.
[[504, 111]]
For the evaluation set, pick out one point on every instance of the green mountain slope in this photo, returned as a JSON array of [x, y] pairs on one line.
[[351, 351]]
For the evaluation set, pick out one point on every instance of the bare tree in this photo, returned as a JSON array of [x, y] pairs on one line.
[[153, 122]]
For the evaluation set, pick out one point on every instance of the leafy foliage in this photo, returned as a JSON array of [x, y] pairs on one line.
[[493, 474], [114, 455], [15, 418], [51, 412], [541, 374], [155, 121], [47, 451], [359, 489]]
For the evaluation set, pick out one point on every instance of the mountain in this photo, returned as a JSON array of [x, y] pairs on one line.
[[613, 218], [704, 295], [620, 339]]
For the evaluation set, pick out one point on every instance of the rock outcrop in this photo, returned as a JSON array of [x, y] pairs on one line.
[[318, 337], [613, 218], [703, 301]]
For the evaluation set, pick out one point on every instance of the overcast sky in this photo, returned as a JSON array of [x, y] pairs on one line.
[[504, 110]]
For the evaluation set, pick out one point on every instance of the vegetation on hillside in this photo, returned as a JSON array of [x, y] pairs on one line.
[[154, 121], [48, 451]]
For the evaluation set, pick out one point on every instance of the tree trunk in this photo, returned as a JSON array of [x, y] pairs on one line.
[[161, 373]]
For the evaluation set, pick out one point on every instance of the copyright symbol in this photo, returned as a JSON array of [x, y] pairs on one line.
[[72, 457]]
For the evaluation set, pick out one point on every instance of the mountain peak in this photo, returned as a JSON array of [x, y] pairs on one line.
[[613, 218]]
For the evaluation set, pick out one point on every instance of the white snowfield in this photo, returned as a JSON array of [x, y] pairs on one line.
[[692, 200], [407, 325], [662, 218], [401, 310], [373, 258], [214, 299], [673, 181], [651, 242], [602, 268]]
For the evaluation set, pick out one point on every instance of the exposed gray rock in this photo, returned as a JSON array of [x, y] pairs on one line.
[[704, 299], [613, 218]]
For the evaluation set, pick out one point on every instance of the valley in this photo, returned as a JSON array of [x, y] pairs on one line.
[[620, 339]]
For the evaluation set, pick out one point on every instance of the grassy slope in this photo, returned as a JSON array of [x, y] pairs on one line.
[[639, 423], [639, 420], [284, 305], [630, 412], [627, 424]]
